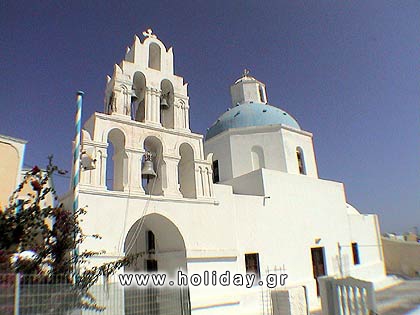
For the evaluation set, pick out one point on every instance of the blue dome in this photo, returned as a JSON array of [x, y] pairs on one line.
[[250, 115]]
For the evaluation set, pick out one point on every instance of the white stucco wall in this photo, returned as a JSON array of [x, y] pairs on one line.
[[282, 229], [293, 139], [364, 230], [278, 144], [273, 211]]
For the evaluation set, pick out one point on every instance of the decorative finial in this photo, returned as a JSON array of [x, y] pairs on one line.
[[246, 72], [149, 33]]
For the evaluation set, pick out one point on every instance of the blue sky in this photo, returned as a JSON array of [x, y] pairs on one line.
[[348, 71]]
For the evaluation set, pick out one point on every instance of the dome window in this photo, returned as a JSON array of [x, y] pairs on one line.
[[263, 97], [301, 161]]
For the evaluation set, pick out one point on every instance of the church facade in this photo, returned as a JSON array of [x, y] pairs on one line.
[[246, 198]]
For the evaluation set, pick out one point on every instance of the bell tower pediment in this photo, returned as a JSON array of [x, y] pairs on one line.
[[144, 87]]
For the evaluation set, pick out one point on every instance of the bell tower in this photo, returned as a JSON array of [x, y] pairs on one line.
[[144, 87], [145, 125]]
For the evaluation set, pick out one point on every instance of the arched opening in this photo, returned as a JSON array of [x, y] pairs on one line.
[[154, 185], [186, 171], [154, 56], [167, 112], [301, 161], [138, 103], [117, 170], [161, 248], [261, 91], [257, 157]]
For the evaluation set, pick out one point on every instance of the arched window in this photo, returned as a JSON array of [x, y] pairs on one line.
[[301, 161], [262, 94], [154, 56], [257, 157]]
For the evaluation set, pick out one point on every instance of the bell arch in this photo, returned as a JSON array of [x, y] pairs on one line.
[[139, 101], [154, 185], [119, 167], [186, 171], [167, 111]]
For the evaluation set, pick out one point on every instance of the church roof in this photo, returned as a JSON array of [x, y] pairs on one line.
[[250, 115]]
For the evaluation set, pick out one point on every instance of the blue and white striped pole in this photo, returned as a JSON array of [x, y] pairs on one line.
[[76, 151], [76, 167]]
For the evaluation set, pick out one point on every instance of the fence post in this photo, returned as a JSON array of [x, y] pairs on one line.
[[328, 297], [17, 293], [371, 299]]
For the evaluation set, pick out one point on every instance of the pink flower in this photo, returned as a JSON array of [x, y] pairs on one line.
[[36, 185], [35, 170]]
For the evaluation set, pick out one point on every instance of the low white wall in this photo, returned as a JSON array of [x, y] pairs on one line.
[[401, 257]]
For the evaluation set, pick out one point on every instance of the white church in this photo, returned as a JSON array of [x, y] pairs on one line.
[[244, 198]]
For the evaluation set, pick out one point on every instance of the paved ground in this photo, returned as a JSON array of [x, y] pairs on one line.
[[402, 299]]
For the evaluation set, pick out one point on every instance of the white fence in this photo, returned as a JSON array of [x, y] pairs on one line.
[[35, 295], [348, 296]]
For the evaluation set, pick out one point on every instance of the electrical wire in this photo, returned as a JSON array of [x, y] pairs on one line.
[[139, 226], [142, 218]]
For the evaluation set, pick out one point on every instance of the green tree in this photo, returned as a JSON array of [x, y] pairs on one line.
[[52, 234]]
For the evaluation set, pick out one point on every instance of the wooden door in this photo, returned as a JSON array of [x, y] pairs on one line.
[[318, 264]]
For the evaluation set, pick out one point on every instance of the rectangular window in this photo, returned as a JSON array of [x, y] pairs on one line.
[[355, 250], [216, 171], [151, 245], [252, 264], [151, 265]]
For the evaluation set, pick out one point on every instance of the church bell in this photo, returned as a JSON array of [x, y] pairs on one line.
[[147, 170], [164, 102]]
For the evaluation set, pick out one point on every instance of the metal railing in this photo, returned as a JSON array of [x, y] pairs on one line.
[[36, 295]]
